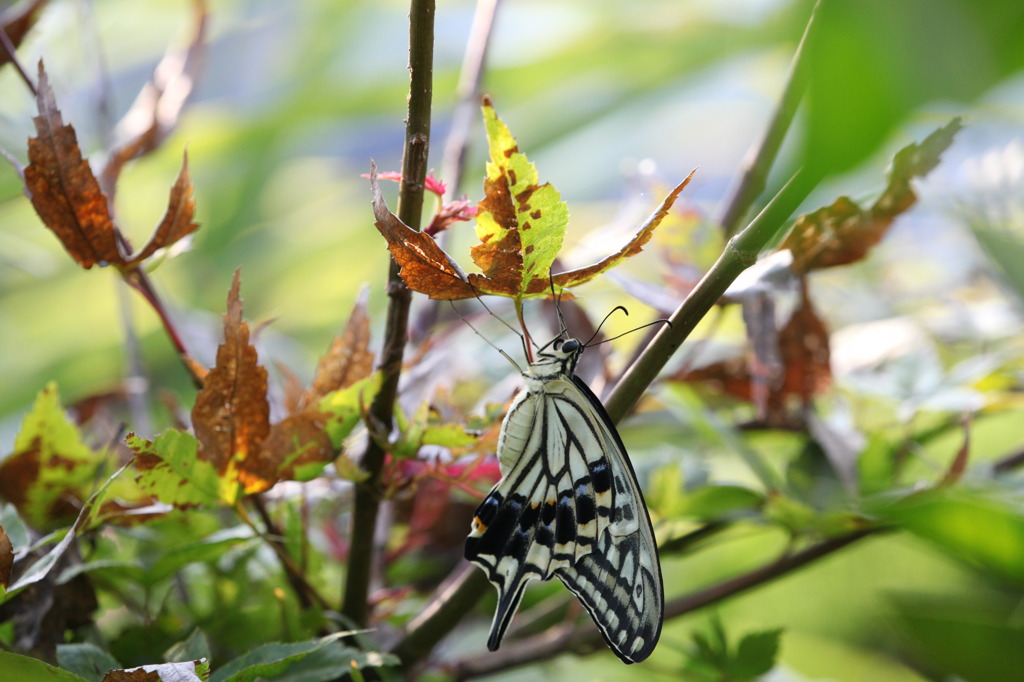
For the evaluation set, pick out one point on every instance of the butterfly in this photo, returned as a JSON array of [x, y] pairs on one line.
[[568, 505]]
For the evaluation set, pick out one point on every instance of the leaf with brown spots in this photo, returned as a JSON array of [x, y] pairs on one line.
[[231, 415], [52, 471], [520, 222], [63, 189], [425, 267], [349, 358], [844, 232]]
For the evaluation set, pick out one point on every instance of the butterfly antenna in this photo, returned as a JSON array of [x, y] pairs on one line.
[[643, 326], [598, 330], [486, 340]]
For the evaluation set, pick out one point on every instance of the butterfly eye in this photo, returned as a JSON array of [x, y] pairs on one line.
[[570, 346]]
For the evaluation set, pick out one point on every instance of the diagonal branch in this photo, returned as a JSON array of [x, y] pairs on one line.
[[587, 638], [761, 156]]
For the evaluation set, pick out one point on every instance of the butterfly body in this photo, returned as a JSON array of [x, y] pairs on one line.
[[568, 505]]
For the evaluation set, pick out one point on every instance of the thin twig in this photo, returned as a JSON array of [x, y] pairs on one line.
[[137, 279], [12, 55], [761, 157], [467, 108], [410, 206], [587, 638], [307, 595]]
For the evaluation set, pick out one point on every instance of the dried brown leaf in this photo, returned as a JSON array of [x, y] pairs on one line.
[[178, 221], [844, 232], [631, 248], [349, 358], [64, 190], [231, 415], [295, 441], [156, 110], [425, 267], [800, 367], [6, 558]]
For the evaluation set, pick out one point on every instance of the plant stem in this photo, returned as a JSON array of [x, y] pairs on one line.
[[466, 110], [761, 157], [450, 603], [410, 206], [740, 252]]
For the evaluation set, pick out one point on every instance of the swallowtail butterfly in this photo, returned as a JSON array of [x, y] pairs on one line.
[[569, 505]]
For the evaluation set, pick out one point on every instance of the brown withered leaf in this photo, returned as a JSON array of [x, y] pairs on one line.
[[844, 232], [16, 22], [231, 415], [349, 358], [6, 558], [178, 222], [631, 248], [425, 267], [156, 110], [63, 189], [295, 441], [800, 367]]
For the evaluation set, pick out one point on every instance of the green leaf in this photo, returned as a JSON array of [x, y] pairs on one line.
[[13, 525], [209, 549], [86, 659], [41, 568], [193, 648], [417, 431], [876, 466], [718, 501], [344, 407], [330, 662], [273, 659], [756, 654], [170, 470], [985, 533], [16, 668]]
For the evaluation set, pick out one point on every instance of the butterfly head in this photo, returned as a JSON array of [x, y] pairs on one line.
[[559, 359]]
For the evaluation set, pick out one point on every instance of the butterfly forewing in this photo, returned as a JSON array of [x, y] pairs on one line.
[[569, 505]]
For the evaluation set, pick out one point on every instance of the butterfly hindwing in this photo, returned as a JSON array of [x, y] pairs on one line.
[[569, 505]]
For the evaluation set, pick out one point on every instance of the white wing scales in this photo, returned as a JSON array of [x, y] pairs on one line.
[[569, 505]]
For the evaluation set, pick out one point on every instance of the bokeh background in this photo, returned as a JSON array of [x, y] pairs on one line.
[[614, 101]]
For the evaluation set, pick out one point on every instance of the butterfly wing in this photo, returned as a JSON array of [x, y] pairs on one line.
[[569, 505], [620, 582], [554, 500]]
